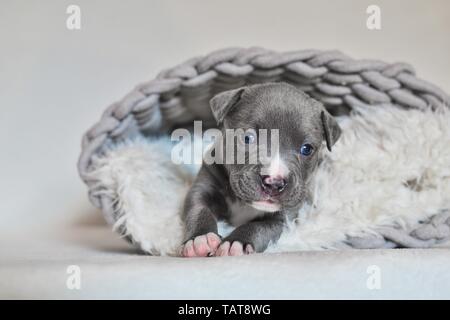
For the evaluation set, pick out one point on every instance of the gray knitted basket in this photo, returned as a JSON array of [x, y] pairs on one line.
[[181, 94]]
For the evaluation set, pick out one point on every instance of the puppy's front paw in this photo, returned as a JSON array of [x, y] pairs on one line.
[[235, 248], [201, 246]]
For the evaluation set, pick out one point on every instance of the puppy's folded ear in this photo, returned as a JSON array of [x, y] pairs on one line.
[[331, 129], [222, 103]]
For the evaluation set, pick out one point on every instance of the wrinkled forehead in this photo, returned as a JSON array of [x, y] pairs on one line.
[[294, 114]]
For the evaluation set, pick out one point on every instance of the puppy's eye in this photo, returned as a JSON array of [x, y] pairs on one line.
[[249, 138], [306, 149]]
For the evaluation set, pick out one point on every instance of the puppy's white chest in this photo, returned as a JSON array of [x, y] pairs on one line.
[[241, 213]]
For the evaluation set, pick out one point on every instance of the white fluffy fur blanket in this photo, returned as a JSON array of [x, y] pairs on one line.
[[390, 168]]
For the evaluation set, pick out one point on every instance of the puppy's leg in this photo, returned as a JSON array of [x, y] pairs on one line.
[[203, 204], [201, 233], [252, 237]]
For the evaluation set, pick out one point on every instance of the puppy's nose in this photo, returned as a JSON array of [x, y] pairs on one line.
[[273, 185]]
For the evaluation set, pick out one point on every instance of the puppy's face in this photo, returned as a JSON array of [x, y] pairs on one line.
[[287, 154]]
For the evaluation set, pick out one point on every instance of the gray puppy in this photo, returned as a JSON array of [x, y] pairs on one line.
[[257, 198]]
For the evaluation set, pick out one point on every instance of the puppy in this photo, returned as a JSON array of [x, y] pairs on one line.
[[258, 197]]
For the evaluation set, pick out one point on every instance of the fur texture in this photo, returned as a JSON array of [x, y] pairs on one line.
[[148, 190], [390, 168]]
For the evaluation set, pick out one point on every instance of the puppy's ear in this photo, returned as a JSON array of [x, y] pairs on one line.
[[222, 103], [331, 129]]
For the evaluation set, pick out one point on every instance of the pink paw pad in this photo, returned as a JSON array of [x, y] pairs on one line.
[[201, 246]]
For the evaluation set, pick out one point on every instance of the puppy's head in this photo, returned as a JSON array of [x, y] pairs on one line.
[[280, 177]]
